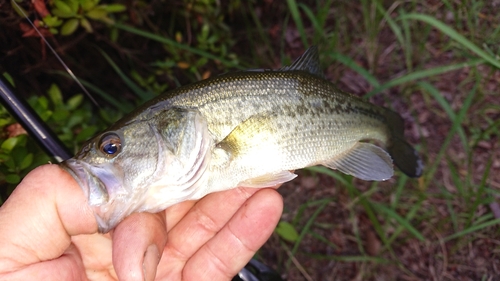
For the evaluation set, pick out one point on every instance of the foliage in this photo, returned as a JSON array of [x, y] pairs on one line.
[[67, 15], [434, 63], [72, 121]]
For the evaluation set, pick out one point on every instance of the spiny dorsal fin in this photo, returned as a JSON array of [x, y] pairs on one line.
[[309, 61]]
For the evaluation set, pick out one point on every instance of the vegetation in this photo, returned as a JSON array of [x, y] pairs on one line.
[[434, 62]]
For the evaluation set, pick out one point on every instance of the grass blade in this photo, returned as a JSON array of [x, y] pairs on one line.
[[351, 258], [294, 11], [143, 95], [175, 44], [305, 230], [122, 106], [347, 61], [453, 34], [402, 221], [324, 170], [411, 214], [471, 229], [423, 74], [454, 128], [446, 107]]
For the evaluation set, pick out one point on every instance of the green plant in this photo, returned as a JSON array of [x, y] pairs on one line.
[[72, 121], [67, 15]]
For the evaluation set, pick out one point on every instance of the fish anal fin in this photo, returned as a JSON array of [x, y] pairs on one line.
[[268, 180], [365, 161]]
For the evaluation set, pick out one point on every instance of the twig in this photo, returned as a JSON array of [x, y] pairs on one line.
[[299, 267]]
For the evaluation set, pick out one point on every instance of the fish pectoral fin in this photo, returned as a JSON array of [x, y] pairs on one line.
[[364, 161], [251, 135], [268, 180]]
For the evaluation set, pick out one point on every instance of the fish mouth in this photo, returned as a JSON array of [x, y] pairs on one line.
[[96, 191], [93, 187]]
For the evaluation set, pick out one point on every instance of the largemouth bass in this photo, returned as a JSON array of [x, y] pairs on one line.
[[248, 128]]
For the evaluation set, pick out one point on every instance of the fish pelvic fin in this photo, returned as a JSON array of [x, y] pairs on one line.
[[405, 157], [365, 161], [269, 180]]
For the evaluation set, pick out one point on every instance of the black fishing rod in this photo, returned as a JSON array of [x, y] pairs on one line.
[[32, 123], [50, 143]]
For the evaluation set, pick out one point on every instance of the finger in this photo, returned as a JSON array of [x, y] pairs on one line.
[[136, 244], [39, 217], [96, 254], [223, 256], [175, 213], [198, 226]]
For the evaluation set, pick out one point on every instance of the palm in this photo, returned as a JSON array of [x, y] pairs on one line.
[[210, 239]]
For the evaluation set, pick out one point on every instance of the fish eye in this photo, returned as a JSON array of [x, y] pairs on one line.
[[110, 144]]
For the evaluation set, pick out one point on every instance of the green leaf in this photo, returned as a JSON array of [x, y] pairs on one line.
[[74, 102], [43, 102], [86, 25], [62, 14], [88, 4], [52, 21], [55, 94], [69, 27], [4, 121], [286, 231], [98, 13], [114, 8], [60, 114], [74, 120], [7, 76], [45, 115], [63, 8], [4, 157], [113, 34], [19, 10], [9, 143], [73, 5], [86, 133], [13, 178], [26, 161], [10, 164]]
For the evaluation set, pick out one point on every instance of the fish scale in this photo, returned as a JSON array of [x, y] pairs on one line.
[[248, 128]]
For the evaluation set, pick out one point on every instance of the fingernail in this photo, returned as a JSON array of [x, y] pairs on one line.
[[150, 263]]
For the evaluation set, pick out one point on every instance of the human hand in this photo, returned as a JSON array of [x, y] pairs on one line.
[[48, 232]]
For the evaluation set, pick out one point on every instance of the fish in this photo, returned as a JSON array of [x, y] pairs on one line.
[[246, 128]]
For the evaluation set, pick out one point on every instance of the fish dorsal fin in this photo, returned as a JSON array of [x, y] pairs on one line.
[[309, 61], [364, 161]]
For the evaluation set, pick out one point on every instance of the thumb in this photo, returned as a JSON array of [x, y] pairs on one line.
[[40, 216]]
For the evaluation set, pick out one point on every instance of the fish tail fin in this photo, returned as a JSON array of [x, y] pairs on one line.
[[405, 157]]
